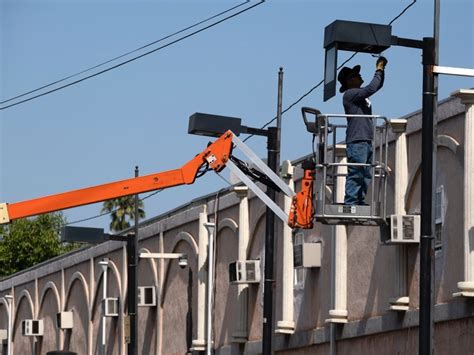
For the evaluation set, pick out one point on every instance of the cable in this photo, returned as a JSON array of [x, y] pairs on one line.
[[134, 58], [89, 218], [302, 97], [401, 13], [106, 213], [125, 54], [322, 81]]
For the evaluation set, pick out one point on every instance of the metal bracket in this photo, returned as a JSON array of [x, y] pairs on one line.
[[161, 255], [4, 217], [260, 194], [453, 71], [263, 167]]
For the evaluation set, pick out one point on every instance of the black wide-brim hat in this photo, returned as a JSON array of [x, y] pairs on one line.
[[345, 74]]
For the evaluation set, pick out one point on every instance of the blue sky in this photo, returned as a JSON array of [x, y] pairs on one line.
[[97, 131]]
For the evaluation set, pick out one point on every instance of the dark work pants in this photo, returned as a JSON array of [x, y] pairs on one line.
[[358, 177]]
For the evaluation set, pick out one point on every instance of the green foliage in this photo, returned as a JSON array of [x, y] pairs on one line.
[[29, 241], [122, 212]]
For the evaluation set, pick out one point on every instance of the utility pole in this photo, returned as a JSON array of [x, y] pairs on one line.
[[273, 156], [132, 256]]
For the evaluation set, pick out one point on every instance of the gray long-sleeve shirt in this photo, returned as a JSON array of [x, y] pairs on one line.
[[356, 102]]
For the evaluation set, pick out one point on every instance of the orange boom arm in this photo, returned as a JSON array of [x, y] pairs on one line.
[[216, 155]]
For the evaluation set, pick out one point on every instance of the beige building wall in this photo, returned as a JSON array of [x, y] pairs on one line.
[[74, 282]]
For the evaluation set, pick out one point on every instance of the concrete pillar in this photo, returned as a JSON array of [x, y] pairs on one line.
[[90, 325], [466, 287], [240, 333], [62, 307], [124, 279], [199, 344], [161, 277], [287, 323], [401, 300], [338, 313]]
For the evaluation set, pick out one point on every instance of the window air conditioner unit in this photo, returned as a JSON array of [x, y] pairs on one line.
[[403, 229], [307, 255], [64, 320], [32, 327], [3, 336], [243, 272], [111, 307], [146, 296]]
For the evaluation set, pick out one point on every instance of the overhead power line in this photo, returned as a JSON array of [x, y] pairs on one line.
[[131, 59], [123, 55], [110, 212]]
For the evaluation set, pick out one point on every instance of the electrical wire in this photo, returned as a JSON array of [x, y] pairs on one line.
[[134, 58], [302, 97], [322, 81], [107, 213], [89, 218], [125, 54], [401, 13]]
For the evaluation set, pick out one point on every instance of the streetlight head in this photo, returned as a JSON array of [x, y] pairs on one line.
[[82, 234], [351, 36], [205, 124]]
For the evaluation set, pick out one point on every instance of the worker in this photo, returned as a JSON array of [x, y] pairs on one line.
[[359, 134]]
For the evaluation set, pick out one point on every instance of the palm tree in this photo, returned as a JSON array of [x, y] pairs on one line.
[[122, 211]]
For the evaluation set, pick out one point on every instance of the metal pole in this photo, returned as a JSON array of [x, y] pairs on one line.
[[132, 256], [428, 150], [269, 248], [210, 285], [273, 161], [279, 114]]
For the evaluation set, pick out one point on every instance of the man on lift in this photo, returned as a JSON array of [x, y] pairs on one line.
[[359, 134]]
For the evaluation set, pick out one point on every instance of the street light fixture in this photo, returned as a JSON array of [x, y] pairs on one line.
[[206, 124]]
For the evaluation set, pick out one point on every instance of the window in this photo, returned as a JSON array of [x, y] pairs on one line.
[[440, 211]]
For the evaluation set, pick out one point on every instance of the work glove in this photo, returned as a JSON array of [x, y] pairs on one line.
[[381, 63]]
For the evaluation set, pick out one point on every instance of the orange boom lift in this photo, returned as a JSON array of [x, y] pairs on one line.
[[217, 156]]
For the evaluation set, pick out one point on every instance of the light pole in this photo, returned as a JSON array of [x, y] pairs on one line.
[[375, 38], [213, 126], [132, 269]]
